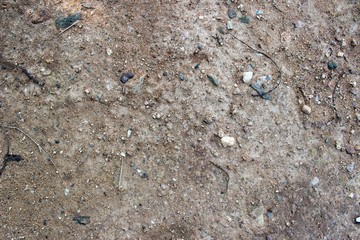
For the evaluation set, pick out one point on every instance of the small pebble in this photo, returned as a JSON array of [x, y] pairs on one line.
[[338, 145], [237, 91], [315, 181], [66, 192], [83, 220], [129, 132], [258, 214], [214, 80], [126, 77], [306, 109], [227, 141], [182, 77], [340, 54], [232, 13], [247, 76], [332, 65], [245, 19], [229, 25], [350, 168], [259, 12], [350, 149], [269, 214], [299, 24], [109, 51], [357, 220]]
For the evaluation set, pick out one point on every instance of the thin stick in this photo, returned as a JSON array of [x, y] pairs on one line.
[[121, 173], [38, 145], [62, 31]]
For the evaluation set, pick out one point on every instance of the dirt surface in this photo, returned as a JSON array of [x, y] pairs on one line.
[[169, 154]]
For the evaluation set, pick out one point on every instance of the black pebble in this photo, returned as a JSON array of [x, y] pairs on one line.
[[126, 77], [332, 65], [144, 175]]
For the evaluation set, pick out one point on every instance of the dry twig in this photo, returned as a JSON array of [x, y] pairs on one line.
[[38, 145], [62, 31], [121, 173], [265, 55]]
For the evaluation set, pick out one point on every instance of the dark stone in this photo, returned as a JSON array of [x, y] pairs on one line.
[[332, 65], [83, 220], [182, 77], [144, 175], [126, 77], [232, 13], [214, 80], [64, 22], [245, 19], [269, 214]]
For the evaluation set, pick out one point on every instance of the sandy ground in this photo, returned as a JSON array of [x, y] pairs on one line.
[[169, 154]]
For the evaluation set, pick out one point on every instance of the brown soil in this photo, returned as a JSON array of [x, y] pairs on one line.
[[145, 159]]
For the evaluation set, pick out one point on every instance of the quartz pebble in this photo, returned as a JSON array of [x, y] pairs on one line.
[[227, 141], [340, 54], [247, 76]]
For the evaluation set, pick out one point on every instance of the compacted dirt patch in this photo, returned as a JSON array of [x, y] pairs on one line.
[[233, 119]]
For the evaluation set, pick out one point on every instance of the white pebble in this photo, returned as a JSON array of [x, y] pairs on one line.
[[228, 141], [247, 76], [340, 54], [109, 51], [229, 25]]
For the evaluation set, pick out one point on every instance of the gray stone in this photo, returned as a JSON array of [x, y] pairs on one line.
[[299, 24], [350, 168], [315, 181], [64, 22], [214, 80], [258, 213], [232, 13]]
